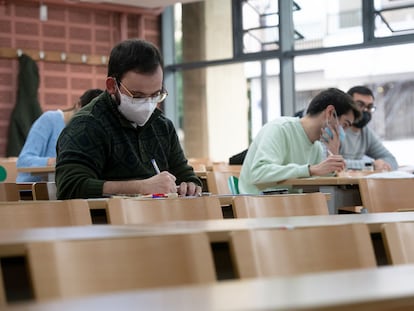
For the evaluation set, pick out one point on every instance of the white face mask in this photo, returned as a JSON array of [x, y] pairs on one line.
[[137, 110]]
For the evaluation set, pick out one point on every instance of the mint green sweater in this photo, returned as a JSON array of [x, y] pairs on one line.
[[281, 150]]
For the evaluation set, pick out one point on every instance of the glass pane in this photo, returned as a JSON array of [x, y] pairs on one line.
[[260, 25], [264, 93], [263, 39], [324, 23], [394, 18]]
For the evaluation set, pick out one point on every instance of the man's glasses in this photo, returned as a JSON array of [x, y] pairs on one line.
[[370, 107], [156, 97]]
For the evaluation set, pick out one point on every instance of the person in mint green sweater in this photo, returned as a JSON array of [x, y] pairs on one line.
[[290, 147]]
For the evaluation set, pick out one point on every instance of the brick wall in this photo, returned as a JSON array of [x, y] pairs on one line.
[[70, 29]]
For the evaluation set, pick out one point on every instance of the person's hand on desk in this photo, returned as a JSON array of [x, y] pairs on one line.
[[333, 163], [163, 182], [189, 189], [51, 162], [381, 165]]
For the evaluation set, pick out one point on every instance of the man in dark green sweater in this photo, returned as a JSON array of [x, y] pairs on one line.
[[121, 143]]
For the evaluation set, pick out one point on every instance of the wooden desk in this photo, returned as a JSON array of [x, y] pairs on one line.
[[343, 190], [13, 242], [385, 288], [218, 230], [99, 207], [47, 173]]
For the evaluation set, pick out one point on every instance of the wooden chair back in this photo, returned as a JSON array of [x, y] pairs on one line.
[[286, 252], [225, 167], [399, 242], [217, 181], [63, 269], [135, 211], [305, 204], [9, 191], [9, 165], [200, 164], [44, 190], [31, 214], [380, 195]]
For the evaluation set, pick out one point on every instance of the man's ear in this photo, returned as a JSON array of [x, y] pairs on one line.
[[330, 110], [111, 86]]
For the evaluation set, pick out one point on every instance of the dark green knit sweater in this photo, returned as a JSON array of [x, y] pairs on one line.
[[100, 145]]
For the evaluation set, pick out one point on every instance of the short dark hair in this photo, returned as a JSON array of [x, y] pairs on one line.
[[133, 55], [88, 96], [360, 89], [342, 102]]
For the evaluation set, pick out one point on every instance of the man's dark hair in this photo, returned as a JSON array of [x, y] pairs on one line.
[[342, 102], [133, 54], [88, 96], [360, 89]]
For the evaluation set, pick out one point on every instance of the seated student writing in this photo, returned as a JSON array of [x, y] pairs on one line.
[[110, 146], [290, 147]]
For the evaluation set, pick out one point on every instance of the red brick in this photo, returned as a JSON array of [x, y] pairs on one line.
[[55, 82], [54, 46], [27, 10], [151, 23], [27, 28], [6, 97], [80, 33], [56, 13], [55, 99], [55, 67], [55, 31], [102, 19], [103, 70], [5, 42], [27, 44], [5, 63], [5, 26], [78, 16], [5, 78], [81, 69], [103, 50], [81, 84], [102, 35], [80, 48]]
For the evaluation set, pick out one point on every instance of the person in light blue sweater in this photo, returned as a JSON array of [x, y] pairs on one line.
[[290, 147], [40, 145]]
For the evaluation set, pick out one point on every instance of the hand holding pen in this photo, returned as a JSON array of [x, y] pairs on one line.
[[184, 188], [161, 182]]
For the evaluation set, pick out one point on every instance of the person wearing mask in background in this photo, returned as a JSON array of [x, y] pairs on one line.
[[40, 146], [291, 147], [361, 145], [122, 143]]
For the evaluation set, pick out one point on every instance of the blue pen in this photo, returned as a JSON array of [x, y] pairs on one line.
[[154, 164]]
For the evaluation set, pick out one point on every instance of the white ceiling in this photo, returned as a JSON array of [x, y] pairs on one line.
[[142, 3]]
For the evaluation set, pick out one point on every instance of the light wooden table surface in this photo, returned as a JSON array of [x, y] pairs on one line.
[[384, 288], [12, 241], [344, 189]]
